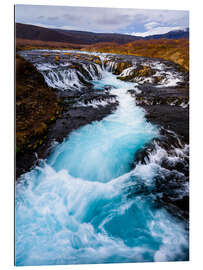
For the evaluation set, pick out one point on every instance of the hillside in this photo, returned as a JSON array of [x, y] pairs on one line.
[[36, 107], [177, 34], [173, 50], [26, 44], [173, 46], [32, 32]]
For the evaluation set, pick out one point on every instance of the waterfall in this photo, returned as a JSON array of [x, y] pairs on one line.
[[67, 77], [88, 203]]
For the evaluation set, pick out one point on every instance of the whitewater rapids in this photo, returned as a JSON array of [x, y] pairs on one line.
[[87, 203]]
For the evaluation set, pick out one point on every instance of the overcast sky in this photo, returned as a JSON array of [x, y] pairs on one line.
[[103, 20]]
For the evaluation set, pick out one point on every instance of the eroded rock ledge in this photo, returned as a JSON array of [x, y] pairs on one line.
[[167, 107], [45, 115]]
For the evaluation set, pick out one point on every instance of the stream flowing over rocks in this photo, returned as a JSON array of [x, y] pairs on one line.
[[111, 182]]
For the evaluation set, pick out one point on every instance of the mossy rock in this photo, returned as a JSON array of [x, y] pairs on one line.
[[40, 129], [125, 78], [105, 62], [35, 146], [41, 142], [146, 71], [120, 66], [157, 79], [97, 61], [51, 119]]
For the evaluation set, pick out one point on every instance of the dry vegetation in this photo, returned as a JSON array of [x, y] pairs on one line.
[[173, 50], [36, 106], [26, 44]]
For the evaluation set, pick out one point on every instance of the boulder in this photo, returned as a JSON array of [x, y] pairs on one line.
[[139, 72]]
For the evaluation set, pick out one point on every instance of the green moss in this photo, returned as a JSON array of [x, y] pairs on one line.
[[40, 142], [53, 118], [40, 129]]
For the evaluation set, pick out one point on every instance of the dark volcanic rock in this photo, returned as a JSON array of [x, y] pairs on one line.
[[70, 120], [44, 115], [138, 72], [171, 117], [166, 106], [171, 182]]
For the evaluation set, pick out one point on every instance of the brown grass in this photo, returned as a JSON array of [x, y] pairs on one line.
[[36, 106], [26, 44], [173, 50]]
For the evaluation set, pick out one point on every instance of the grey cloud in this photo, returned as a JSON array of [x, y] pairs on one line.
[[70, 17], [114, 20], [53, 18], [97, 19]]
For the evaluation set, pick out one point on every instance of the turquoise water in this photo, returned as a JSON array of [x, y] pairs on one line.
[[84, 205]]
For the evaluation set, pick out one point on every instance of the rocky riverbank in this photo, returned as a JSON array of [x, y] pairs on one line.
[[45, 115], [59, 96], [176, 51], [163, 92], [169, 109], [36, 107]]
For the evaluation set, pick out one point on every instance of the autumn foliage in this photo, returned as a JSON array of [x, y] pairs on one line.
[[27, 44], [36, 106], [173, 50], [168, 49]]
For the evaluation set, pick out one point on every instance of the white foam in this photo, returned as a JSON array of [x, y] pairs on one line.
[[82, 207], [96, 103]]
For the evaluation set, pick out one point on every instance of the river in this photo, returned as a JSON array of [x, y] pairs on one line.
[[88, 202]]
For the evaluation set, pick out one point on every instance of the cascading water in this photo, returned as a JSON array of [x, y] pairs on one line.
[[87, 204], [62, 78]]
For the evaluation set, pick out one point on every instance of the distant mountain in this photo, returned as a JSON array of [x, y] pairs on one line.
[[175, 34], [91, 38], [32, 32]]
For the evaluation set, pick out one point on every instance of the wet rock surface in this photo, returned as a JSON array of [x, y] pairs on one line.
[[167, 107], [55, 113], [171, 117], [71, 119], [162, 92], [171, 156]]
